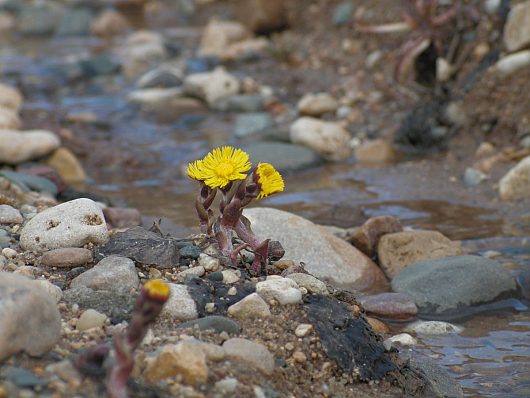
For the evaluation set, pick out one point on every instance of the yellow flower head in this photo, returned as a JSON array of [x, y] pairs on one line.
[[269, 180], [220, 166], [157, 290]]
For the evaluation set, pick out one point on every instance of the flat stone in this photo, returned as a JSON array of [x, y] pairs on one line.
[[211, 86], [517, 28], [310, 283], [10, 215], [110, 273], [317, 104], [328, 258], [180, 305], [252, 306], [90, 319], [28, 182], [330, 140], [516, 182], [20, 146], [390, 305], [432, 328], [251, 353], [366, 237], [402, 249], [509, 64], [216, 323], [67, 257], [70, 224], [283, 290], [450, 284], [30, 319], [116, 303], [247, 124], [284, 156], [67, 165]]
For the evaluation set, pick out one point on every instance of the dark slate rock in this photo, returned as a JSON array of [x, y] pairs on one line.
[[284, 156], [452, 284], [116, 304], [348, 340], [190, 251], [30, 182], [216, 276], [142, 246], [214, 322]]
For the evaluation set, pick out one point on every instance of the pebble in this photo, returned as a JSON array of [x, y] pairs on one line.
[[164, 76], [283, 290], [377, 325], [229, 276], [196, 271], [284, 156], [218, 35], [510, 64], [317, 104], [9, 253], [375, 151], [299, 357], [390, 305], [209, 263], [21, 146], [68, 257], [403, 339], [9, 119], [143, 50], [309, 282], [90, 319], [180, 305], [433, 328], [517, 28], [29, 316], [116, 303], [241, 103], [303, 329], [190, 251], [247, 124], [399, 250], [185, 360], [54, 290], [516, 182], [227, 385], [10, 215], [109, 23], [70, 224], [217, 323], [67, 165], [27, 271], [211, 86], [491, 254], [366, 237], [251, 353], [343, 13], [110, 273], [10, 97], [252, 306], [330, 140], [473, 177]]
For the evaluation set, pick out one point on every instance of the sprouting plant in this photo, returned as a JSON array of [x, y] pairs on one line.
[[225, 170], [421, 18], [148, 306]]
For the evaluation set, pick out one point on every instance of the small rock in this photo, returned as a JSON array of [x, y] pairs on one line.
[[9, 119], [303, 329], [28, 182], [121, 217], [227, 385], [366, 237], [473, 177], [116, 303], [75, 22], [403, 339], [516, 182], [67, 257], [510, 64], [262, 17], [109, 273], [10, 98], [211, 86], [317, 104], [375, 151], [219, 324], [390, 305], [309, 282], [27, 271], [10, 215], [250, 123], [9, 253], [109, 23], [517, 28], [241, 103], [17, 147], [190, 251], [402, 249], [230, 276], [180, 305], [251, 353], [39, 19], [160, 99], [67, 165], [197, 271], [218, 35], [144, 50], [284, 290], [433, 328], [377, 325], [328, 139], [185, 360], [22, 378], [29, 317], [208, 262], [450, 284], [90, 319], [252, 306], [53, 290], [343, 13], [70, 224], [163, 76], [284, 156]]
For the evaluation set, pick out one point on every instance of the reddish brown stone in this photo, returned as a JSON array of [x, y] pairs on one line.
[[366, 237], [390, 305]]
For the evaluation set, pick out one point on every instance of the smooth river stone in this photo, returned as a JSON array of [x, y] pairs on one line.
[[390, 305]]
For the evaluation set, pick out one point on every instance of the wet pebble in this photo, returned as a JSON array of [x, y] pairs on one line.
[[283, 290], [390, 305], [375, 151], [217, 323], [163, 76], [366, 237], [251, 353], [21, 146], [143, 50], [211, 86], [241, 103], [252, 306], [90, 319], [433, 328], [403, 339], [110, 273], [68, 257], [284, 156], [247, 124], [473, 177]]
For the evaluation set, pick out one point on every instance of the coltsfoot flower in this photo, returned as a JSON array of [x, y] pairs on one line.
[[157, 290], [220, 167], [268, 179]]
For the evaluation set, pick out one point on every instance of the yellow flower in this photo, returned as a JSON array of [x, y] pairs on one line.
[[157, 290], [220, 166], [269, 180]]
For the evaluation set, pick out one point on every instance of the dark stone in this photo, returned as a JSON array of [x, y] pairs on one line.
[[439, 383], [116, 304], [142, 246], [216, 276], [30, 182], [22, 378], [214, 322], [190, 251], [348, 340], [343, 215]]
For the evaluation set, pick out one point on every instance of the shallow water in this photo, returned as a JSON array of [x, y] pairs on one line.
[[491, 357]]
